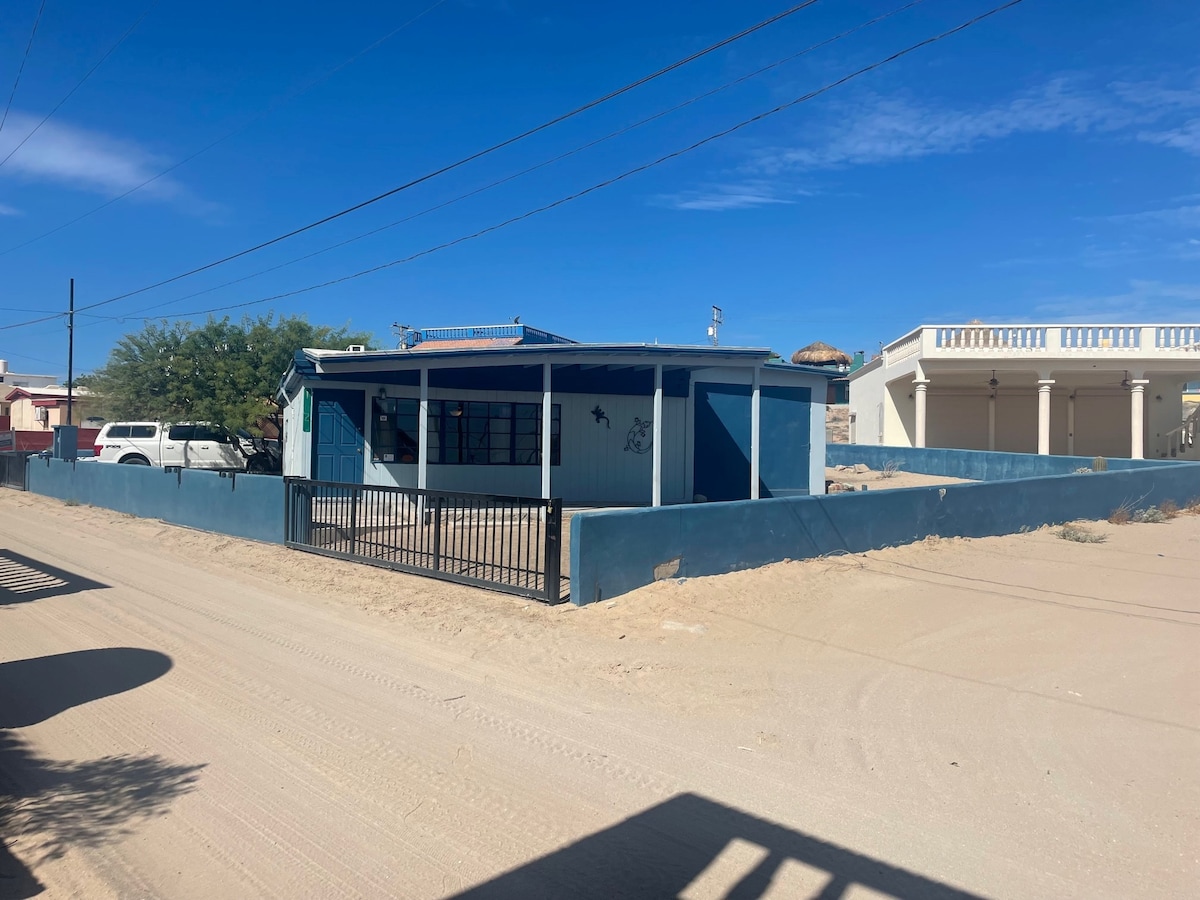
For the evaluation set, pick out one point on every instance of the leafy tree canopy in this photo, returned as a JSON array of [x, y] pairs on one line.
[[225, 372]]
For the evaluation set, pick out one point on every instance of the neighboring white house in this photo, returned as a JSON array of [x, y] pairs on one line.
[[471, 409], [1088, 390]]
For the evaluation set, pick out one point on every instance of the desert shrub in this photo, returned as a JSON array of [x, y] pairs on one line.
[[1121, 515], [1151, 515], [890, 468], [1169, 508], [1083, 470], [1081, 535]]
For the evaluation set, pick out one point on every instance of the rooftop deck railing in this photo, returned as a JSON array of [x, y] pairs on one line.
[[1149, 341]]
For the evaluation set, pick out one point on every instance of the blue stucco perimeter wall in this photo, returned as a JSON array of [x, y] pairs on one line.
[[248, 506], [616, 551], [976, 465]]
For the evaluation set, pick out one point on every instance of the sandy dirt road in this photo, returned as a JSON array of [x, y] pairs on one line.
[[188, 716]]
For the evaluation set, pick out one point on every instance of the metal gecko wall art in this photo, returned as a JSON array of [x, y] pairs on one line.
[[641, 437]]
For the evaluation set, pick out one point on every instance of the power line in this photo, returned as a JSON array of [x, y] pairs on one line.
[[615, 179], [233, 133], [472, 157], [79, 84], [494, 184], [21, 68]]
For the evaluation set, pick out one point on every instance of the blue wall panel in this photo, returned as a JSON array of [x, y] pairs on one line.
[[976, 465], [249, 506], [784, 431], [722, 441], [616, 551]]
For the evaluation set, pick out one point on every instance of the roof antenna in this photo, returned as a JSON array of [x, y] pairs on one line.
[[718, 319], [516, 320]]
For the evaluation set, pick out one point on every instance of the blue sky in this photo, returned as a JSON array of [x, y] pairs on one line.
[[1042, 165]]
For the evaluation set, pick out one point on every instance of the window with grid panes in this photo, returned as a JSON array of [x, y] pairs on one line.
[[468, 432]]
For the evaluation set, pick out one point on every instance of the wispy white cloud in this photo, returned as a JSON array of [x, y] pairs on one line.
[[6, 210], [1145, 301], [876, 130], [85, 160], [1186, 216], [1186, 137], [722, 197]]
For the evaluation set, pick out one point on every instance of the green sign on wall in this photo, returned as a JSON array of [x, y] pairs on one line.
[[307, 411]]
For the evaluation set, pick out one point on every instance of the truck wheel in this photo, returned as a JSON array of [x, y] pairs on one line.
[[135, 461]]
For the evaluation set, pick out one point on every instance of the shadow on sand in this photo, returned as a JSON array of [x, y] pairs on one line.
[[716, 851], [23, 580], [47, 806]]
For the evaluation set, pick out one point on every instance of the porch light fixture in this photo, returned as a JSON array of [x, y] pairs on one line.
[[1125, 381], [457, 411], [383, 393], [992, 382]]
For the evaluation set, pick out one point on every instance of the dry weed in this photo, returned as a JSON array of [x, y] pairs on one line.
[[1120, 516], [1169, 508], [1081, 535]]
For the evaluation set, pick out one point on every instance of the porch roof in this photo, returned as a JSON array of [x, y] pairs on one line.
[[577, 367]]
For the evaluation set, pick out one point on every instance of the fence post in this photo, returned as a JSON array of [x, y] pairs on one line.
[[289, 528], [437, 534], [553, 561], [355, 493]]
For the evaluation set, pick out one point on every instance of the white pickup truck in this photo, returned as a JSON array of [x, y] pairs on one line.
[[190, 445]]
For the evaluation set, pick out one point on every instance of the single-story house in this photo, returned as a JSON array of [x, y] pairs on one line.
[[1087, 390], [472, 409], [34, 411]]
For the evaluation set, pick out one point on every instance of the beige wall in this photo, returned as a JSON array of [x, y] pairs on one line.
[[23, 414]]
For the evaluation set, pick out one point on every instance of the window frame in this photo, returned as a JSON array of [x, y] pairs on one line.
[[450, 435]]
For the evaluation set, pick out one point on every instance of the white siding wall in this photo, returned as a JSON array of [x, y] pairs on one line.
[[297, 446]]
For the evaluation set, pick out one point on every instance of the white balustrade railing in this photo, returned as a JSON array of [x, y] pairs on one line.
[[983, 337], [1101, 337], [1177, 337], [902, 349], [1069, 340]]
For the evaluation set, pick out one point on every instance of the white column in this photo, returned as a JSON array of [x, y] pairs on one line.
[[656, 438], [423, 433], [755, 431], [919, 395], [991, 421], [1043, 444], [1137, 418], [1071, 424], [547, 430]]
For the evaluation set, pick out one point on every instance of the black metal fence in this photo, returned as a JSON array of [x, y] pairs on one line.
[[14, 469], [511, 544]]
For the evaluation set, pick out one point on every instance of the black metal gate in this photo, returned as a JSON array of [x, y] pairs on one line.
[[511, 544], [14, 469]]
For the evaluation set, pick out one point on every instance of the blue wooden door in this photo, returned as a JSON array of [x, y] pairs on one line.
[[338, 436]]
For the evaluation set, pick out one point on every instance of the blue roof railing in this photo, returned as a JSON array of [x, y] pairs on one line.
[[525, 333]]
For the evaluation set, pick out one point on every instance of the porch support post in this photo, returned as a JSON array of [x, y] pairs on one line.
[[919, 388], [423, 432], [656, 439], [1043, 441], [1071, 424], [1137, 418], [547, 430], [755, 429], [992, 420]]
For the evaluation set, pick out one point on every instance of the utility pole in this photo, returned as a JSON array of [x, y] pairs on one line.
[[71, 354]]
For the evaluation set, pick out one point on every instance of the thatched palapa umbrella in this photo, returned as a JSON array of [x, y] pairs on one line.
[[819, 353]]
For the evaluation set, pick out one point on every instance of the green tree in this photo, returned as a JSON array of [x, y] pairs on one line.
[[226, 372]]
